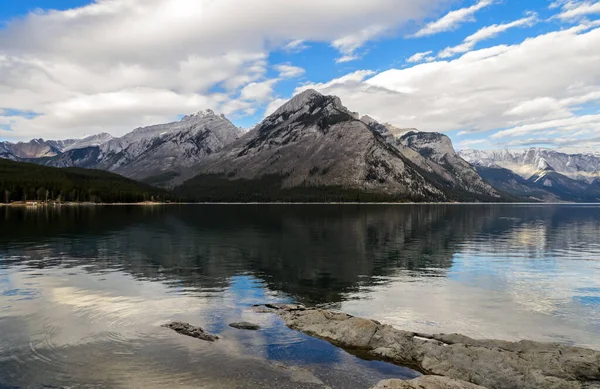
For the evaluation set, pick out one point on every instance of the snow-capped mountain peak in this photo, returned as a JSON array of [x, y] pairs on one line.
[[199, 115], [544, 165]]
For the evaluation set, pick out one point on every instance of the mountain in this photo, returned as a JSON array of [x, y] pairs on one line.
[[509, 182], [6, 151], [583, 167], [314, 148], [565, 188], [545, 174], [88, 141], [35, 148], [437, 155], [40, 148], [20, 181], [86, 157], [154, 150]]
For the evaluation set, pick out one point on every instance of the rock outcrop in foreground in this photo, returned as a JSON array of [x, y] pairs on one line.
[[426, 382], [493, 364]]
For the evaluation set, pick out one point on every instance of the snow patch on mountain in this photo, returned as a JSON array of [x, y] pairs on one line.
[[92, 140]]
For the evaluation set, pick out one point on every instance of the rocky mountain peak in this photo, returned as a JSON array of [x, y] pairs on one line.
[[368, 120], [200, 115], [301, 100], [543, 165], [434, 143], [310, 101], [308, 110], [377, 127]]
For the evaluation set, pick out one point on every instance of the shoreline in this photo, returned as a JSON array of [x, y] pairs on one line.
[[87, 204]]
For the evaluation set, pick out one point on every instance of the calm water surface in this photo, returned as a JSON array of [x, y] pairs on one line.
[[84, 290]]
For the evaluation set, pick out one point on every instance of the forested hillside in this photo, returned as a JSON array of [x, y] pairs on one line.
[[21, 181]]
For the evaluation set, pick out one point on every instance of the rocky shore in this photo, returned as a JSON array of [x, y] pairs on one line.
[[448, 361], [451, 361]]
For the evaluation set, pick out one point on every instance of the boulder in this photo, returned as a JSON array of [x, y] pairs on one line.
[[190, 330], [244, 325]]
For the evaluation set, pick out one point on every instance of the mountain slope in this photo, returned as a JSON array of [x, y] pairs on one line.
[[35, 148], [509, 182], [563, 187], [88, 141], [86, 157], [6, 151], [313, 144], [20, 181]]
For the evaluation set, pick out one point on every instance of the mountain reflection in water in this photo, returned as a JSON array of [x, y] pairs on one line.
[[83, 290]]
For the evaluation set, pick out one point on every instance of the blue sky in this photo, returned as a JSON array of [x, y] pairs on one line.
[[489, 73]]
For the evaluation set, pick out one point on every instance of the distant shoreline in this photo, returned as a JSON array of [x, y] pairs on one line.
[[77, 204], [150, 203]]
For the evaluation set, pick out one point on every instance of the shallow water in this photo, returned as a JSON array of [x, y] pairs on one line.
[[84, 290]]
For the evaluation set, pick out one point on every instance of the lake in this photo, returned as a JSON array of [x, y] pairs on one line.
[[84, 290]]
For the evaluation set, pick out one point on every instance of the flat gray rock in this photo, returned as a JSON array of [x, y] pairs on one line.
[[244, 325], [426, 382], [190, 330], [493, 364]]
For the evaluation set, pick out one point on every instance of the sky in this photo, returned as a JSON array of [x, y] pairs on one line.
[[488, 73]]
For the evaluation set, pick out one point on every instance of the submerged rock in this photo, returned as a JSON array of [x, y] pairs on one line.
[[493, 364], [298, 374], [244, 325], [190, 330], [427, 382], [287, 307]]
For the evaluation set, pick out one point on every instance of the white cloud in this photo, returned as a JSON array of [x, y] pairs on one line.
[[287, 70], [354, 78], [453, 20], [258, 91], [486, 33], [419, 57], [544, 78], [273, 105], [61, 63], [570, 123], [471, 143], [295, 46], [348, 44], [347, 58], [576, 9]]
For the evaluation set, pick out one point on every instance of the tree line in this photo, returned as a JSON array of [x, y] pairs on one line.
[[268, 188], [20, 181]]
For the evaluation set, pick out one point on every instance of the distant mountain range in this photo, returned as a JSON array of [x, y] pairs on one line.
[[540, 174], [315, 149], [39, 148]]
